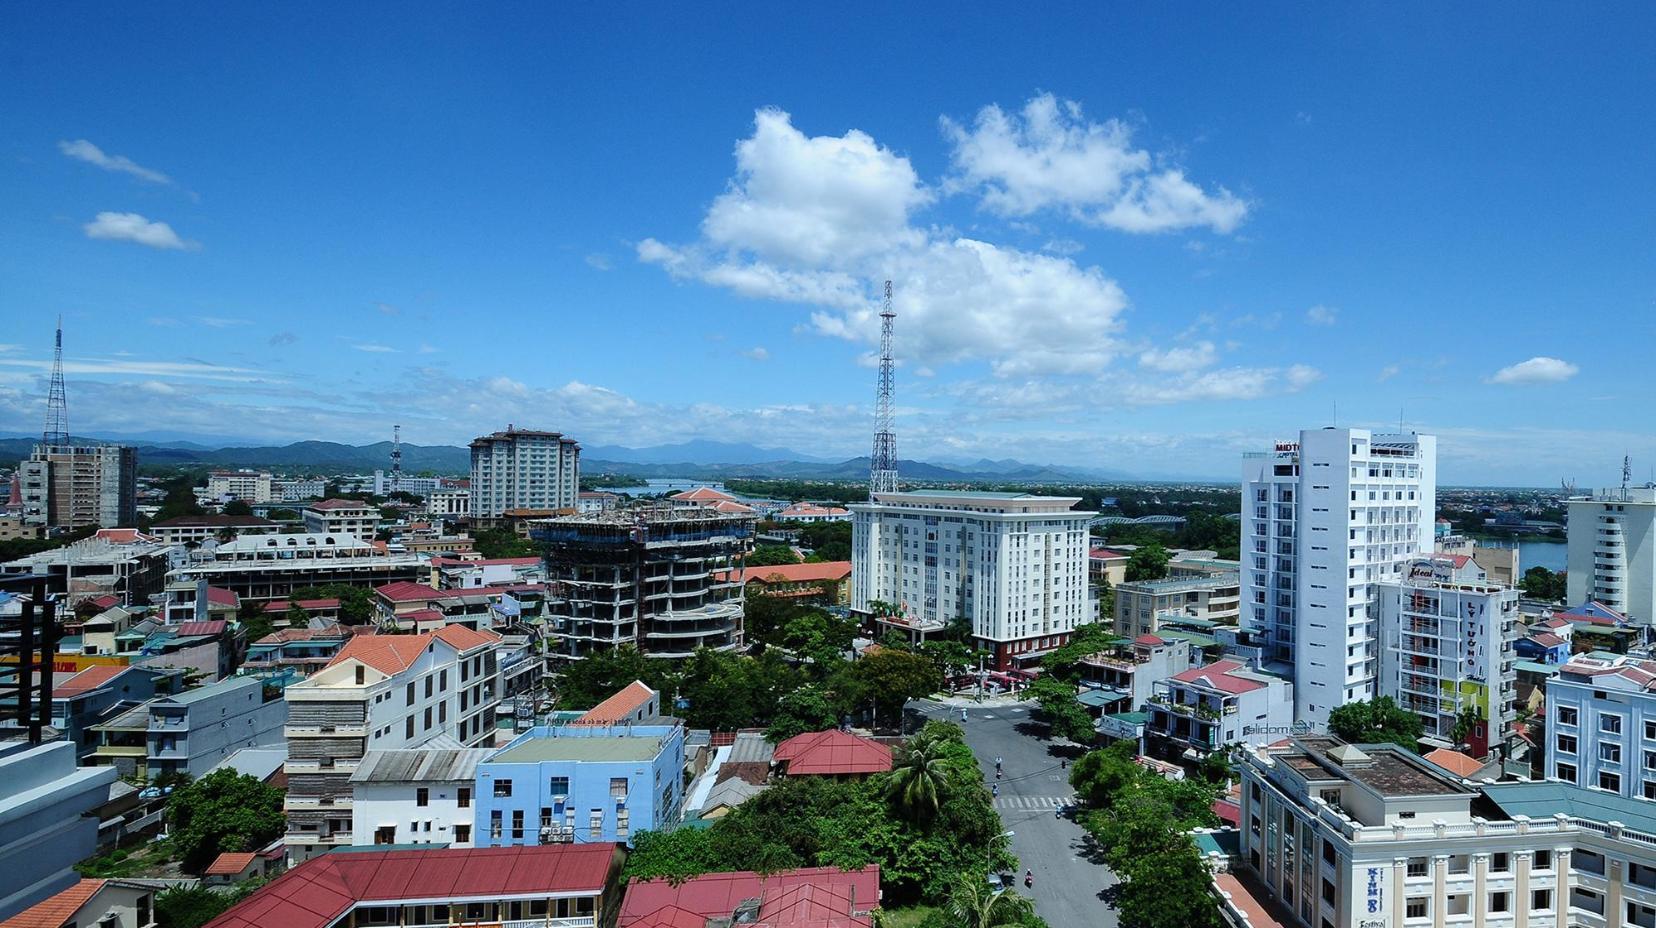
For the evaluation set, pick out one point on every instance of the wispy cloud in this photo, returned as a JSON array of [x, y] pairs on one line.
[[132, 227], [1388, 372], [282, 338], [1322, 315], [192, 368], [757, 353], [222, 322], [82, 150], [1539, 369], [375, 349], [599, 261]]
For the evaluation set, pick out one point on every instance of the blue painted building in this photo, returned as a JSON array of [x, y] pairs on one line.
[[580, 783]]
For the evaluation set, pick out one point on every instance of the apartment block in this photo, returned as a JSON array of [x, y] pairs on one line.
[[342, 517], [657, 579], [1348, 836], [580, 783], [1325, 519], [69, 487], [193, 530], [448, 503], [415, 796], [1123, 678], [48, 820], [246, 485], [380, 692], [524, 469], [1013, 565], [1142, 605], [1611, 556], [1601, 724], [191, 732], [1448, 649], [271, 566]]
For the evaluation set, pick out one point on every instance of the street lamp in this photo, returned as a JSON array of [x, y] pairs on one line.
[[989, 856]]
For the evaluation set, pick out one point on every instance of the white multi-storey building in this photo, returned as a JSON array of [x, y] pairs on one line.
[[299, 488], [342, 517], [449, 503], [1447, 648], [524, 469], [246, 485], [1372, 836], [380, 692], [415, 796], [1011, 564], [1324, 520], [1601, 724], [1612, 551]]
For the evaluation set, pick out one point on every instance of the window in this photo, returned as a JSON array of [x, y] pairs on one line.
[[1417, 866], [1499, 902], [1543, 860], [1609, 781], [442, 679], [1566, 715], [361, 675], [502, 789], [428, 717], [1610, 724], [1415, 907], [1566, 744], [546, 817], [560, 786], [517, 823], [428, 682], [494, 823], [462, 797], [1565, 772], [1500, 863], [1610, 752], [462, 834], [618, 787], [408, 731], [595, 824], [442, 712], [422, 796]]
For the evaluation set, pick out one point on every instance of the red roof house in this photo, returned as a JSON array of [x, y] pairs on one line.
[[811, 897], [1221, 676], [831, 753], [58, 910], [632, 703]]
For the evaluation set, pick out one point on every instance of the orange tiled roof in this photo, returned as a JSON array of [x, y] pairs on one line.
[[229, 863], [792, 573], [619, 706], [1455, 762], [53, 912]]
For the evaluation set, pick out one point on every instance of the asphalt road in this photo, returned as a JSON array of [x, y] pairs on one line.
[[1068, 881]]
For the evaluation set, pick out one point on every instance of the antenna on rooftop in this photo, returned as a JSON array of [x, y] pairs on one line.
[[57, 404], [1627, 473], [882, 464], [396, 458]]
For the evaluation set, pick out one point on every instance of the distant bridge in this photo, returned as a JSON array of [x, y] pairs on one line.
[[1159, 521]]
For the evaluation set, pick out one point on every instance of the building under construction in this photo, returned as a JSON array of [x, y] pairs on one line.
[[658, 579]]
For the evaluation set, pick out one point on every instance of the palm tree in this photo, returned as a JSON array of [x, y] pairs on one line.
[[976, 904], [918, 780]]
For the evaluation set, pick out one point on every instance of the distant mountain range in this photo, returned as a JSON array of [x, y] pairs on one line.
[[710, 460]]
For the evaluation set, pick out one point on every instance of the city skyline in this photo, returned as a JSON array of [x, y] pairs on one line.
[[1145, 245]]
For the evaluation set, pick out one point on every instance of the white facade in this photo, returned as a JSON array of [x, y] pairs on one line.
[[299, 488], [521, 469], [1325, 519], [1447, 647], [449, 503], [1209, 708], [1612, 551], [1013, 565], [249, 486], [381, 692], [419, 486], [342, 517], [419, 796], [1601, 725]]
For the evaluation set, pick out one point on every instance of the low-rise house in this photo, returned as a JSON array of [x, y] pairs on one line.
[[1123, 678], [828, 582], [810, 897], [415, 796], [831, 753], [342, 517], [45, 823], [561, 886], [418, 607], [302, 651], [93, 903], [453, 573], [97, 694], [232, 867], [324, 609], [631, 704], [1204, 709], [567, 783], [596, 501], [1106, 567], [196, 601]]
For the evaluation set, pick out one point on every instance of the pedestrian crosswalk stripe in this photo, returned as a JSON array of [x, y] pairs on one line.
[[1031, 802]]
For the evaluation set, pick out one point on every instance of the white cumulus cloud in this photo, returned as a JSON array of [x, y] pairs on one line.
[[1322, 315], [1050, 156], [1539, 369], [1180, 360], [82, 150], [131, 227]]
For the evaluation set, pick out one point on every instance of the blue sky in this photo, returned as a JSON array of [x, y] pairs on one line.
[[1136, 239]]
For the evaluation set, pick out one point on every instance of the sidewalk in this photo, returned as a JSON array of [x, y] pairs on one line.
[[971, 702]]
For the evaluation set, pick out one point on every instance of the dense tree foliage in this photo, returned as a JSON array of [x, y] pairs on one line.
[[356, 603], [180, 497], [886, 678], [13, 548], [1065, 662], [1541, 583], [923, 852], [1147, 562], [223, 811], [770, 556], [237, 507], [503, 542], [976, 904], [828, 541], [1066, 716], [1376, 721]]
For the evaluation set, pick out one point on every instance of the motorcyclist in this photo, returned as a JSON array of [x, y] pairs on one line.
[[1029, 878], [994, 791]]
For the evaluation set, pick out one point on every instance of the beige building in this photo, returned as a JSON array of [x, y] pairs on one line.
[[1140, 606], [80, 486]]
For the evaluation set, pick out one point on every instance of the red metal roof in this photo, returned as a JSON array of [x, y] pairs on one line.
[[1105, 554], [1219, 675], [1229, 812], [218, 596], [54, 912], [105, 601], [407, 591], [208, 629], [283, 605], [618, 707], [831, 752], [1547, 639], [1149, 640], [320, 890], [816, 896]]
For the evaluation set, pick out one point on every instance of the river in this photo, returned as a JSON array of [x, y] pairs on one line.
[[1549, 554]]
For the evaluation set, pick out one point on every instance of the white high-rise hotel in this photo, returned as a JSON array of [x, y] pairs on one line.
[[1013, 565], [523, 469], [1612, 553], [1324, 520]]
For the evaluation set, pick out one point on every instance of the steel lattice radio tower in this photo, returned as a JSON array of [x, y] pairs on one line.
[[396, 458], [882, 466], [57, 403]]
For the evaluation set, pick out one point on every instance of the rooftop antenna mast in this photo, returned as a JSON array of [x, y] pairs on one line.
[[396, 458], [57, 404], [1627, 473], [882, 465]]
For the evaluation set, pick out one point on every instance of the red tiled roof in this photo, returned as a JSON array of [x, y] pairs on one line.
[[1218, 675], [192, 629], [87, 680], [230, 863], [389, 654], [107, 600], [218, 596], [53, 912], [730, 505], [618, 707], [792, 573], [328, 504], [1547, 639], [407, 591], [462, 638], [702, 494], [1455, 762], [283, 605], [825, 897], [1150, 640], [832, 752], [1105, 554], [306, 634], [421, 615], [317, 892]]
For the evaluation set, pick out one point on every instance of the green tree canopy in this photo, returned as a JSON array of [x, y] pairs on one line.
[[223, 811], [1541, 583], [1147, 562], [771, 556], [237, 507], [1066, 715], [1376, 721], [888, 678], [503, 542]]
